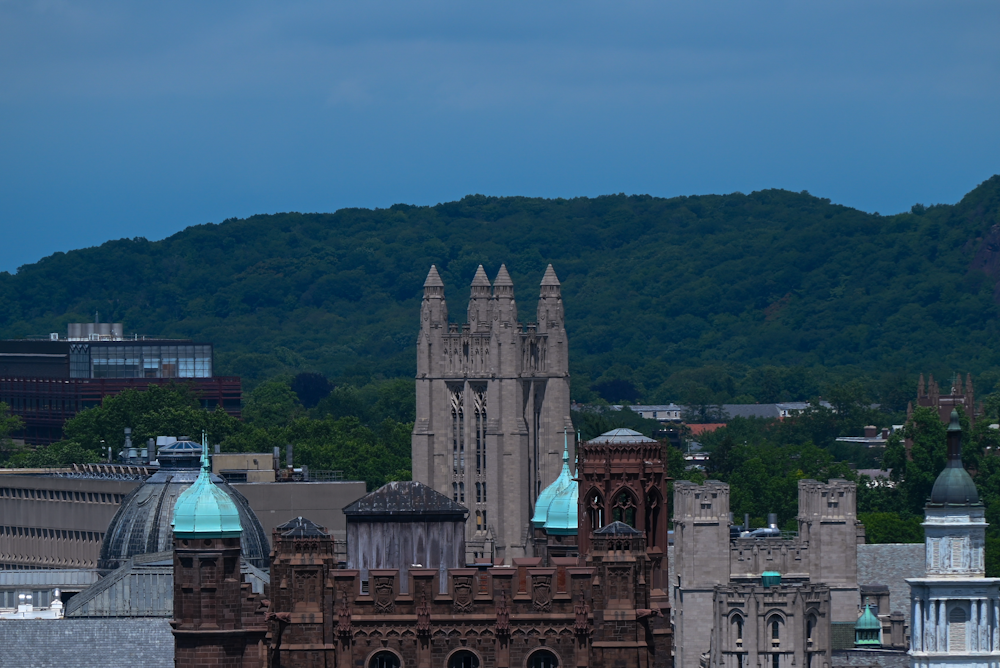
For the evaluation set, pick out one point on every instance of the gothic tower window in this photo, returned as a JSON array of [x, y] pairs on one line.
[[454, 492], [484, 492], [810, 631], [595, 510], [624, 509], [479, 493], [480, 410], [457, 432], [738, 631], [479, 522], [461, 492], [775, 632]]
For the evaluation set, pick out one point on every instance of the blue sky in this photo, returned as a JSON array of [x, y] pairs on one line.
[[122, 119]]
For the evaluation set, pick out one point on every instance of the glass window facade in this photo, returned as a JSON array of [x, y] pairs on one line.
[[141, 361]]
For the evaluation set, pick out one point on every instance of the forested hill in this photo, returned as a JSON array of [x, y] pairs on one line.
[[668, 296]]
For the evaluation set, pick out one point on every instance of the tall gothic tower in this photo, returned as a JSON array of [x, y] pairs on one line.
[[492, 406]]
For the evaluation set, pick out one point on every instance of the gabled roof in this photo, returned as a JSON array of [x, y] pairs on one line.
[[409, 499], [301, 528], [617, 529]]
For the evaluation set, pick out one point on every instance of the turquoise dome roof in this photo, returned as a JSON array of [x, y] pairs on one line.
[[557, 506], [203, 510], [548, 494], [868, 621]]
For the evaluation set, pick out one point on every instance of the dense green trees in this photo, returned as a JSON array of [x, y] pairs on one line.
[[762, 297]]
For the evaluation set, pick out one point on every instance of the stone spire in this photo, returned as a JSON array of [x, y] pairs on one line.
[[550, 306], [480, 302], [433, 311], [503, 294]]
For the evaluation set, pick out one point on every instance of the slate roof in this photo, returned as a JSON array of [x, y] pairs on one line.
[[85, 643], [410, 499], [621, 436], [143, 588], [301, 528], [617, 529]]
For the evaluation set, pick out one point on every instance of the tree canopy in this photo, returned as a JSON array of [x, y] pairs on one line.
[[704, 299]]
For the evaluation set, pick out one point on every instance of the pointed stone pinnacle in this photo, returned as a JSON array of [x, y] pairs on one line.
[[503, 278], [550, 277], [480, 278], [433, 279]]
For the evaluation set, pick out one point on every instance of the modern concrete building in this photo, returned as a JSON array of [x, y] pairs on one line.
[[48, 381], [492, 407], [59, 518]]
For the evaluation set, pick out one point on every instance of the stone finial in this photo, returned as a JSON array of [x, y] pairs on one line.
[[480, 279], [433, 279], [550, 277]]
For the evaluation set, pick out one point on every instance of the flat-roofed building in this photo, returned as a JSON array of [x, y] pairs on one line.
[[47, 381]]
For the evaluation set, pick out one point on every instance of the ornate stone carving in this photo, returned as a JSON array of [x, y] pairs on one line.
[[541, 592], [384, 602], [463, 593]]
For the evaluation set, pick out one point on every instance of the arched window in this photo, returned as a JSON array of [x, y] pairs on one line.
[[461, 492], [463, 659], [810, 630], [775, 632], [595, 509], [384, 660], [543, 658], [479, 493], [457, 431], [454, 491], [484, 492], [624, 509], [738, 631], [480, 409]]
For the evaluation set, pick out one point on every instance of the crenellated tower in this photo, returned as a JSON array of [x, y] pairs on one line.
[[492, 405]]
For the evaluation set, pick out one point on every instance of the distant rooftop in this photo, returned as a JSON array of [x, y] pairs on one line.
[[405, 499]]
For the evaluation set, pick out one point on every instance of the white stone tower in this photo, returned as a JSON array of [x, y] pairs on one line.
[[492, 406], [955, 607]]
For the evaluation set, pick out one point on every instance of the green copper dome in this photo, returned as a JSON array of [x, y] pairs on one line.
[[563, 511], [203, 510], [867, 628], [954, 486], [549, 494]]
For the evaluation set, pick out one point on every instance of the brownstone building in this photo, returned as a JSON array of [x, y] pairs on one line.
[[597, 609]]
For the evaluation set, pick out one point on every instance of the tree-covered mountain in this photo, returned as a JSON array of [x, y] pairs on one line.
[[760, 297]]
